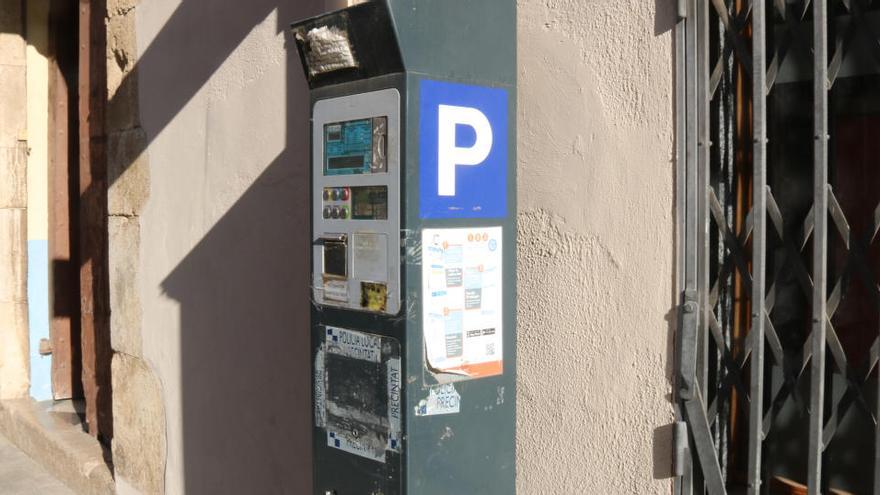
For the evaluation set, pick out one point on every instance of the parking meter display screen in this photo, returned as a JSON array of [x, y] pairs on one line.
[[355, 146], [369, 203]]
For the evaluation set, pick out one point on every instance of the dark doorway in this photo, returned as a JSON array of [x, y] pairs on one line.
[[79, 330]]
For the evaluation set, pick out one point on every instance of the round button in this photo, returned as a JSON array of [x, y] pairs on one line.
[[346, 193], [326, 212], [343, 212], [335, 212], [326, 194], [335, 194]]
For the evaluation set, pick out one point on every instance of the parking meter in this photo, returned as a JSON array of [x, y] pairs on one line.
[[413, 228]]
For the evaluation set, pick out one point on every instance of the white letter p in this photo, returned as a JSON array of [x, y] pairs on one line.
[[449, 155]]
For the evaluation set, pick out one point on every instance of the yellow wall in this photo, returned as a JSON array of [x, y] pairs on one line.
[[38, 119]]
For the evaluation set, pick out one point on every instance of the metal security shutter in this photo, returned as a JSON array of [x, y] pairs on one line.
[[778, 105]]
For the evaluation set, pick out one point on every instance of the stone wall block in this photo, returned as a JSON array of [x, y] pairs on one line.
[[13, 255], [13, 176], [139, 446], [14, 370], [13, 94], [124, 260], [121, 8], [128, 172], [122, 110], [122, 107]]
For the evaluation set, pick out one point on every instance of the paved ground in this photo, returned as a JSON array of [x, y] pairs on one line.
[[20, 475]]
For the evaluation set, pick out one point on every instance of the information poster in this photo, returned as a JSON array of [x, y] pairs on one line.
[[462, 297]]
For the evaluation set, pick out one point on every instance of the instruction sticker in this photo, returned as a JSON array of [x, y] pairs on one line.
[[462, 294]]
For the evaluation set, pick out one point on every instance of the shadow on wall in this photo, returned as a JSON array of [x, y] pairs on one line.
[[665, 16], [243, 289], [243, 342], [665, 20]]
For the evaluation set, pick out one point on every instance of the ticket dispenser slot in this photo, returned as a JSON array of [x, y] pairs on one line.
[[335, 257]]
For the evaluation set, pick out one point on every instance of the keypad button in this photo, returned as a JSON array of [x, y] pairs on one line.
[[346, 193], [335, 194], [343, 212], [326, 194], [327, 212], [334, 213]]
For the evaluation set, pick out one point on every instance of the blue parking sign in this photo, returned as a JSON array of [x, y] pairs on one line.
[[462, 151]]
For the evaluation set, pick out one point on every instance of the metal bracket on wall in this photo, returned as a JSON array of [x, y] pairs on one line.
[[693, 405], [687, 346], [681, 453]]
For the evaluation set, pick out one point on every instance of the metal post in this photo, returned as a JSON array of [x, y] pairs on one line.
[[759, 243], [687, 149], [696, 407], [685, 221], [820, 242], [702, 163]]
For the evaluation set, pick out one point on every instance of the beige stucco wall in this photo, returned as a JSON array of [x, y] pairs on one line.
[[596, 227], [209, 278]]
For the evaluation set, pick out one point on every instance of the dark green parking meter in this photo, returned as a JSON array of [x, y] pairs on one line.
[[413, 222]]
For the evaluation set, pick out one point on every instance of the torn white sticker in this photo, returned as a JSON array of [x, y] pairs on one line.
[[336, 290], [352, 446], [329, 50], [357, 345], [394, 395], [394, 442], [358, 387], [442, 399], [320, 395]]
